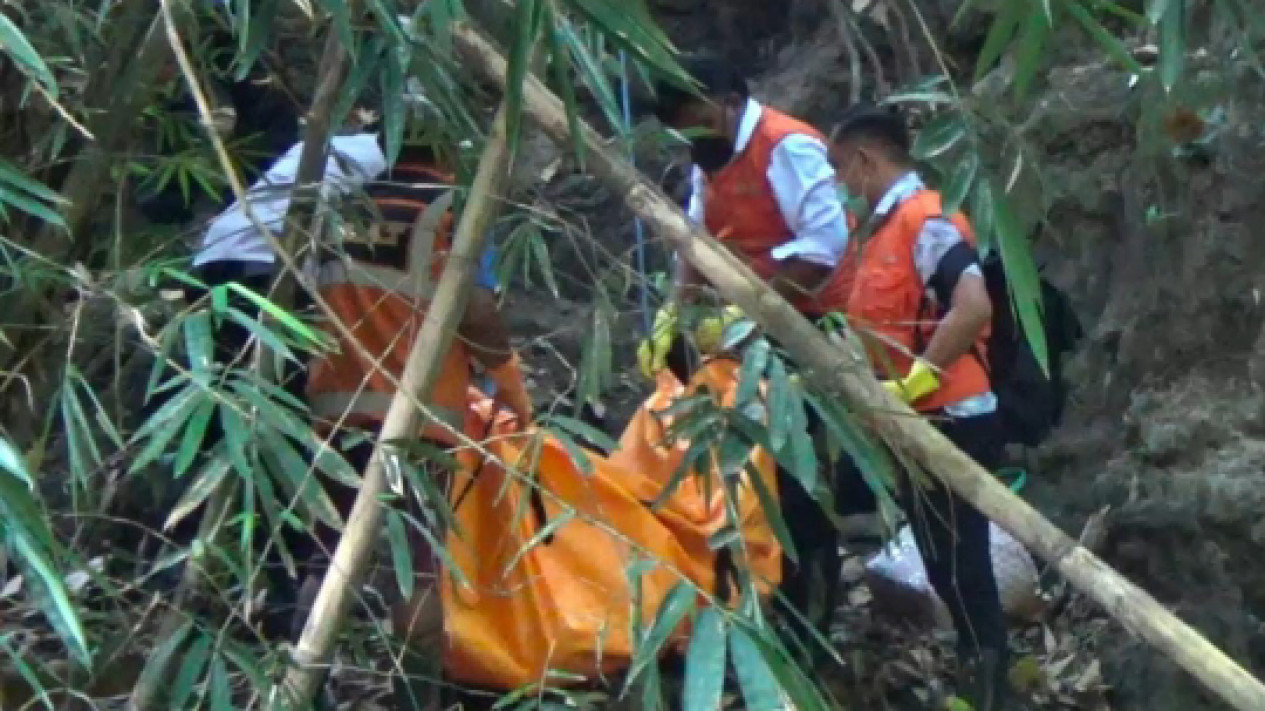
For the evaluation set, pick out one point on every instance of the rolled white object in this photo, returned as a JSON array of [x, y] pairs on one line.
[[898, 579]]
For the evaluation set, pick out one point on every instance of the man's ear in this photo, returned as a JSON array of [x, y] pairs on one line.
[[868, 154]]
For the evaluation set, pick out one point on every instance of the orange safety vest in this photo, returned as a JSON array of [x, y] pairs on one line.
[[379, 284], [743, 212], [890, 302]]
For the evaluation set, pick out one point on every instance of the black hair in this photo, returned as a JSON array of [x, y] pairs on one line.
[[883, 125], [716, 76]]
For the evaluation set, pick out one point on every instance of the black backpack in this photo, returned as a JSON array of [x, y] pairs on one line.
[[1030, 403]]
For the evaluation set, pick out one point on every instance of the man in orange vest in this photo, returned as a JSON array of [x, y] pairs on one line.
[[920, 303], [379, 279], [763, 185]]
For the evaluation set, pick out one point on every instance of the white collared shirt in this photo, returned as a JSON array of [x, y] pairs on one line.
[[803, 184], [353, 160], [936, 238]]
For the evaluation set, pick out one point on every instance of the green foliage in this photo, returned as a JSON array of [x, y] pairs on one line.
[[974, 141], [26, 534]]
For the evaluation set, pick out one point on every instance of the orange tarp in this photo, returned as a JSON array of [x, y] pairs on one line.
[[534, 596]]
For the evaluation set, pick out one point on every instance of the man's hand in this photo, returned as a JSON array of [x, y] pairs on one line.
[[970, 312], [920, 383], [796, 278], [511, 390], [653, 351]]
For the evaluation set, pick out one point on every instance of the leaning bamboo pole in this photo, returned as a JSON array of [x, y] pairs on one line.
[[842, 371], [422, 371]]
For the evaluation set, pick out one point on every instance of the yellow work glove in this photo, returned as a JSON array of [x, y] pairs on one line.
[[710, 332], [653, 351], [920, 382]]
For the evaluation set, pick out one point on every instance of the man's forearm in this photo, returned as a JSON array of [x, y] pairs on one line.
[[797, 278], [954, 338]]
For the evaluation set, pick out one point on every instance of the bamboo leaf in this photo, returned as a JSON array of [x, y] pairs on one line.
[[1022, 278], [803, 694], [159, 660], [1005, 24], [582, 430], [427, 492], [400, 553], [447, 563], [28, 535], [1155, 10], [16, 179], [236, 440], [678, 603], [689, 463], [368, 62], [540, 250], [525, 16], [873, 461], [772, 511], [79, 436], [592, 74], [258, 31], [298, 328], [209, 480], [754, 362], [163, 427], [1105, 39], [760, 688], [12, 461], [1031, 51], [652, 698], [246, 662], [1048, 13], [559, 63], [725, 537], [780, 401], [393, 109], [939, 136], [292, 472], [15, 44], [194, 434], [194, 663], [542, 535], [705, 663], [219, 693], [959, 183], [1172, 43], [27, 673], [803, 454], [29, 206], [629, 26], [982, 212]]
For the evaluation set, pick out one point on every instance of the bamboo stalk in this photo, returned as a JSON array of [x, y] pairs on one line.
[[422, 371], [842, 371], [311, 170]]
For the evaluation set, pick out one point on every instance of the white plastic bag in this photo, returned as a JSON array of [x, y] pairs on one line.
[[898, 579]]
